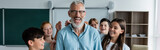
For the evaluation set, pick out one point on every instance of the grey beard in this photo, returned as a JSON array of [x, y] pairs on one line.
[[77, 26]]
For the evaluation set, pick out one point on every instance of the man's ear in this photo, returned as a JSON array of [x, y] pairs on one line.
[[30, 43], [69, 13], [122, 31]]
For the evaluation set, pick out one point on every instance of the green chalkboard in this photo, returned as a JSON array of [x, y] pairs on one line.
[[1, 28], [17, 20]]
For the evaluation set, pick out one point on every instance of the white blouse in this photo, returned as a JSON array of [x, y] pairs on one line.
[[125, 47]]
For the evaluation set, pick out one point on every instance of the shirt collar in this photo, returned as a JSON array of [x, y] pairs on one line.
[[70, 25]]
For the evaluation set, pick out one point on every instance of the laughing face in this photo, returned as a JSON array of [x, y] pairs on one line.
[[47, 28], [104, 27], [94, 24], [115, 30], [38, 43], [77, 13]]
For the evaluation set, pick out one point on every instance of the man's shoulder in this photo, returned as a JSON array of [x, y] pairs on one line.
[[67, 28], [90, 28]]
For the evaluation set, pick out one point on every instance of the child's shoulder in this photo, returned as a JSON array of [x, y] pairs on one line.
[[125, 47]]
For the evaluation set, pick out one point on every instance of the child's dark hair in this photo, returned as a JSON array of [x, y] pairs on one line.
[[105, 19], [31, 33], [121, 39], [106, 37]]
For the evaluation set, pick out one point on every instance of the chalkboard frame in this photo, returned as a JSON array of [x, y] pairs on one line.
[[1, 27]]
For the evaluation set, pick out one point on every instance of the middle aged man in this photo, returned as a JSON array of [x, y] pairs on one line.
[[78, 35]]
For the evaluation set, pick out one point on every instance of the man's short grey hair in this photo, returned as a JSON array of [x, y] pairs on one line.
[[76, 2]]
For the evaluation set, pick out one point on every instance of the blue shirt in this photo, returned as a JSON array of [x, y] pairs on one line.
[[102, 36], [87, 40]]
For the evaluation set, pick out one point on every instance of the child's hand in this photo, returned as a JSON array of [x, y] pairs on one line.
[[67, 22], [58, 25], [53, 45]]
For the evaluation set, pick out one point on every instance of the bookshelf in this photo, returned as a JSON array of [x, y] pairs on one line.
[[137, 26]]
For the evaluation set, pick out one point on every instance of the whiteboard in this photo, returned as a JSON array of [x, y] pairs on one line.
[[62, 15]]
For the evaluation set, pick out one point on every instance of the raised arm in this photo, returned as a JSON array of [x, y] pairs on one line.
[[58, 27]]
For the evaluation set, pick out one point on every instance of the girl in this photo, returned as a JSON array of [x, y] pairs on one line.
[[116, 38], [94, 23], [48, 32]]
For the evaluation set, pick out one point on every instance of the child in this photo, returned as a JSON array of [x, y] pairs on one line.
[[104, 27], [33, 38], [116, 38], [48, 32], [94, 23]]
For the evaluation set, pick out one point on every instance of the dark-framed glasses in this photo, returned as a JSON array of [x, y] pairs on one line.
[[75, 11]]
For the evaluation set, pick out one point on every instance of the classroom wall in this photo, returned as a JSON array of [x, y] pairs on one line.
[[31, 4], [157, 33], [123, 5]]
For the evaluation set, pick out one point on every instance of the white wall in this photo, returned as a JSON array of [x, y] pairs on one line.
[[120, 5], [157, 26], [36, 4], [43, 4]]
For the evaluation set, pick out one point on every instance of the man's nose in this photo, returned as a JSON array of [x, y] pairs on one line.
[[77, 14]]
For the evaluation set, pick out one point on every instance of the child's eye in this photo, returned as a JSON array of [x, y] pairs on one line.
[[44, 29], [40, 38], [105, 25], [115, 27], [50, 28]]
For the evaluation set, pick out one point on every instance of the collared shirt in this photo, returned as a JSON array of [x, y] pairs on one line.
[[89, 39]]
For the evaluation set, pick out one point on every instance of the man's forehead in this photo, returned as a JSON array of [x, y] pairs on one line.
[[77, 6]]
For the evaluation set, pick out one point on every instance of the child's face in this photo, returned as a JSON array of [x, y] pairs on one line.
[[47, 28], [115, 30], [38, 43], [94, 24], [104, 27]]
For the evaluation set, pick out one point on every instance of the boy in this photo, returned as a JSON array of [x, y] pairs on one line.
[[34, 38]]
